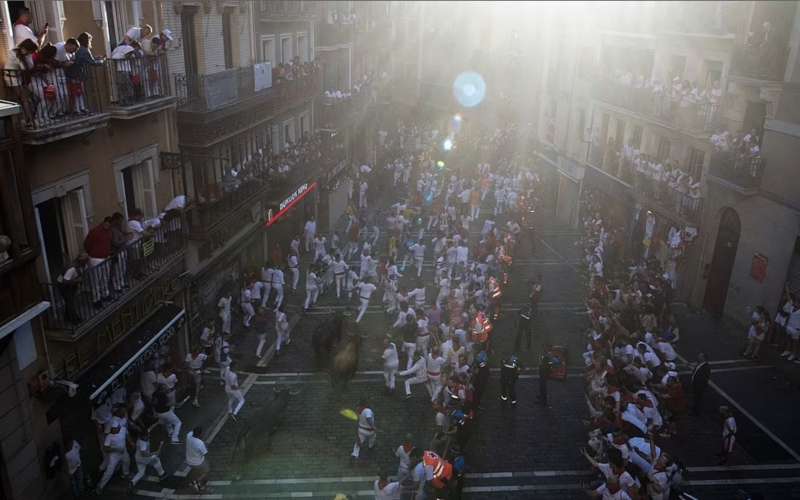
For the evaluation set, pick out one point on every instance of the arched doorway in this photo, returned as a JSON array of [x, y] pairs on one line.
[[722, 263]]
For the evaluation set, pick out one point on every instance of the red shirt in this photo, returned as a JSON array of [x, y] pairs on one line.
[[98, 242]]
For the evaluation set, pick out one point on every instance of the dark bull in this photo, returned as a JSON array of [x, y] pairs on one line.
[[255, 433], [325, 338]]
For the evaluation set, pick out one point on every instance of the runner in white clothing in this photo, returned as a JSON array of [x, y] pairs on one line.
[[247, 306], [266, 279], [235, 396], [391, 363], [282, 331], [224, 306], [365, 291], [277, 283], [418, 371], [294, 268], [340, 269], [312, 288], [418, 251], [309, 231], [367, 430], [435, 363]]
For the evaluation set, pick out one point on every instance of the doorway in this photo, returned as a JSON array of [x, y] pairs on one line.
[[189, 42], [719, 276]]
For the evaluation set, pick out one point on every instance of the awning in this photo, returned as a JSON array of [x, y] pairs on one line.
[[128, 357]]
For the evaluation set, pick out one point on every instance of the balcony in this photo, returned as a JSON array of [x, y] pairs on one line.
[[335, 113], [334, 34], [766, 62], [63, 102], [108, 284], [237, 194], [669, 199], [57, 104], [214, 107], [681, 114], [139, 86], [743, 172]]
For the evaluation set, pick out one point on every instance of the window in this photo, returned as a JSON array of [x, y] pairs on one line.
[[268, 49], [663, 149], [695, 163], [227, 38], [636, 137], [276, 139], [302, 47], [304, 129], [138, 189], [62, 225], [286, 49], [288, 132], [713, 73]]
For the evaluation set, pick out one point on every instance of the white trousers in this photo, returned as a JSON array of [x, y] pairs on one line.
[[172, 424], [475, 212], [295, 277], [262, 341], [249, 312], [420, 379], [282, 338], [339, 283], [141, 467], [389, 375], [235, 401], [279, 295], [364, 437], [418, 261], [312, 294], [410, 348], [226, 324], [434, 386], [362, 309], [114, 459]]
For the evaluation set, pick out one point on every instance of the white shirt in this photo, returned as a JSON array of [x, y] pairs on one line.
[[365, 290], [311, 227], [23, 32], [366, 420], [147, 381], [231, 381], [277, 278], [390, 359], [389, 492], [339, 267], [197, 363], [116, 441], [266, 275], [311, 280], [293, 263], [61, 52], [195, 450], [224, 306]]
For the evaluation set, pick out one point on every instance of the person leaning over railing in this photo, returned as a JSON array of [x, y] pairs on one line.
[[17, 76]]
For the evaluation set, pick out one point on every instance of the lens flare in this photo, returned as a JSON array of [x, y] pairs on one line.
[[469, 89], [440, 164], [448, 144]]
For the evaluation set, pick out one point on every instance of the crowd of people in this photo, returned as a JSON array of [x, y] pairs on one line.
[[634, 396], [54, 80], [671, 98], [739, 150]]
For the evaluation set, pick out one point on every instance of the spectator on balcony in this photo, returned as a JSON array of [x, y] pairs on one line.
[[98, 246], [18, 78], [137, 34], [23, 31], [69, 283], [120, 237]]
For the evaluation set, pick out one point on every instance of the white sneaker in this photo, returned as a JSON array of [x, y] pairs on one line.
[[785, 353], [790, 358]]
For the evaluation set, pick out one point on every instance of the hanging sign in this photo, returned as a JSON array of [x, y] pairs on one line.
[[293, 199]]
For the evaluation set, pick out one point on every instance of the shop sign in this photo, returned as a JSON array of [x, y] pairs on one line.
[[134, 365], [293, 199]]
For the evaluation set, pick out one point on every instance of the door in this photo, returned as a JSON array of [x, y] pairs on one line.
[[227, 38], [754, 115], [719, 276], [189, 42]]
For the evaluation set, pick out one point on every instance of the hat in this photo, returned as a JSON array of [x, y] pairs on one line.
[[167, 34]]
